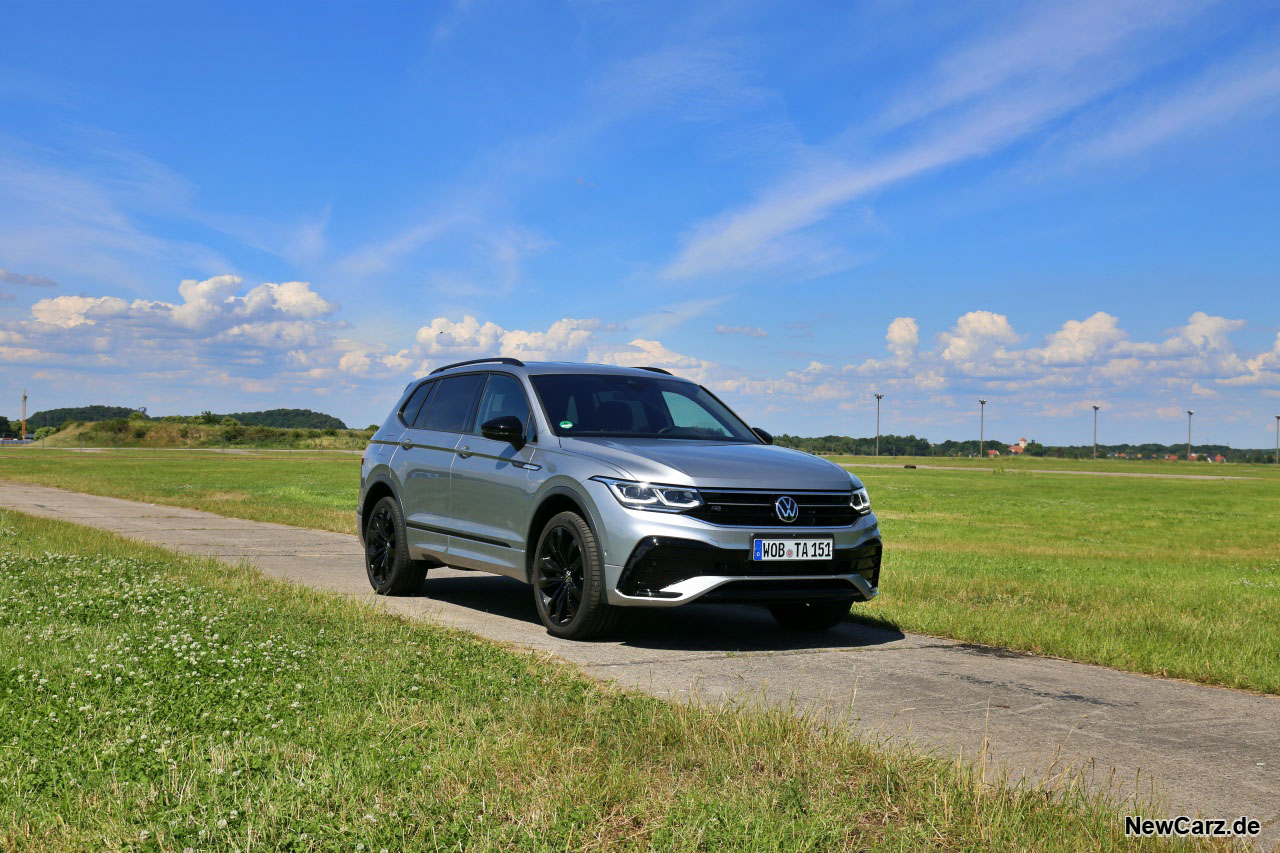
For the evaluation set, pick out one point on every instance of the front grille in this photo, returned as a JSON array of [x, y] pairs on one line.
[[756, 509]]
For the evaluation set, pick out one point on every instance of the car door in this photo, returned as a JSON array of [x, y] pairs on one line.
[[426, 454], [490, 501]]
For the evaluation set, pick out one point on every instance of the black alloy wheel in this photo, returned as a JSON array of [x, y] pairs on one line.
[[568, 580], [386, 552], [560, 575], [380, 545]]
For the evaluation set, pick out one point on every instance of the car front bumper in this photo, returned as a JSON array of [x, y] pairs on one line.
[[656, 559]]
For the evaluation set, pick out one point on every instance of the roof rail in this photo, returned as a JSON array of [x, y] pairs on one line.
[[514, 362], [657, 370]]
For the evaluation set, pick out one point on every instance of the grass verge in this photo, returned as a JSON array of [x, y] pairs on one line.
[[151, 701]]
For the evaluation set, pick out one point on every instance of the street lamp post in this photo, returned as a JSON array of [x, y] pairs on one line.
[[1189, 414], [982, 424], [1095, 431], [879, 397]]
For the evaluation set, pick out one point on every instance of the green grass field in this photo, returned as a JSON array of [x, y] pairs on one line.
[[155, 702], [1165, 576]]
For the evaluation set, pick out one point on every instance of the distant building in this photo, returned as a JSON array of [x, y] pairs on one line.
[[1219, 458], [993, 453], [1172, 457]]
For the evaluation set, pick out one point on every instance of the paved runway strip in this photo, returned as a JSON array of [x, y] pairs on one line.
[[1208, 750]]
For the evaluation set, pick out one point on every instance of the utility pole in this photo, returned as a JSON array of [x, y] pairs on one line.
[[23, 435], [1095, 431], [879, 397], [982, 427], [1278, 439], [1189, 414]]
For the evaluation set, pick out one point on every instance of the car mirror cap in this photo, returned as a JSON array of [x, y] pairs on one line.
[[763, 435], [506, 428]]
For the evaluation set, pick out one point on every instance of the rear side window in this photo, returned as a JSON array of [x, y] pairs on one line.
[[502, 397], [453, 404], [409, 411]]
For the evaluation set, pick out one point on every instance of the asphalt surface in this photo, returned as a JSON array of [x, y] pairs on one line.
[[1194, 749]]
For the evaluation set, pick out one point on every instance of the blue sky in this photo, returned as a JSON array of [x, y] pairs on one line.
[[242, 206]]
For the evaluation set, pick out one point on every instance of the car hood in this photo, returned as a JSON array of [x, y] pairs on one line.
[[713, 465]]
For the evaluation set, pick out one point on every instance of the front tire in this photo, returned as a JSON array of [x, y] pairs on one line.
[[568, 580], [386, 551], [811, 615]]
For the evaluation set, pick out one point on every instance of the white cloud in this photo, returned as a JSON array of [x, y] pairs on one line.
[[975, 335], [67, 312], [469, 336], [1082, 341], [643, 353], [747, 331], [1251, 86], [1040, 69], [903, 337], [25, 280], [1208, 332]]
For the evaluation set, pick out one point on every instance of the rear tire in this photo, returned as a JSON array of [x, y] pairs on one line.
[[386, 552], [568, 580], [811, 615]]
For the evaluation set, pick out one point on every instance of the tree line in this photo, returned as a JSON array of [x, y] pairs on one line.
[[911, 445], [281, 418]]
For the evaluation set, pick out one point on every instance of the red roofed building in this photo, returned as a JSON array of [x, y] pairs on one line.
[[1020, 447]]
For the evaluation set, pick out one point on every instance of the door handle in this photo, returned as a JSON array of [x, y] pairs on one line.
[[406, 443], [464, 452]]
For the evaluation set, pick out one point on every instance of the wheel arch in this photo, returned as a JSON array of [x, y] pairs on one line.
[[555, 501], [379, 488]]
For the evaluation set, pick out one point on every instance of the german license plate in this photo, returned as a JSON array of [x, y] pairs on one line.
[[791, 549]]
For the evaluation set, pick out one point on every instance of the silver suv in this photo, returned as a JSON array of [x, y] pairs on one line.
[[608, 487]]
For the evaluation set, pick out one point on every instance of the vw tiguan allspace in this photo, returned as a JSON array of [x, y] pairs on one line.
[[607, 487]]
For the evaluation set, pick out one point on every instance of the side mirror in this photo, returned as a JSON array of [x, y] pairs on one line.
[[764, 436], [506, 428]]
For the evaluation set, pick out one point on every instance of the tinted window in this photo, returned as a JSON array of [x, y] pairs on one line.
[[502, 396], [409, 411], [453, 403], [636, 407], [426, 407]]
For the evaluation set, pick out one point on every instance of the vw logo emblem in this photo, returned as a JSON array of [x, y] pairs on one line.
[[786, 509]]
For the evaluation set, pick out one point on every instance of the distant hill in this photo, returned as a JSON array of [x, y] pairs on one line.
[[283, 418], [57, 417], [289, 419]]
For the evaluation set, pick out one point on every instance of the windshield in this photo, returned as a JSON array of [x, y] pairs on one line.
[[585, 404]]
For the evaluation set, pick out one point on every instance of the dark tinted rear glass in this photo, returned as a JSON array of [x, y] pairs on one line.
[[453, 404], [409, 412], [426, 407]]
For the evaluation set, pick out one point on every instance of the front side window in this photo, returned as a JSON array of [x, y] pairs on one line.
[[453, 404], [502, 397], [595, 405]]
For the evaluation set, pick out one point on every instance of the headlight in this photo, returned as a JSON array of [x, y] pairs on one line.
[[860, 501], [660, 498]]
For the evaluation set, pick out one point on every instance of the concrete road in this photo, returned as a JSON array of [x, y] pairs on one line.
[[1200, 750]]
